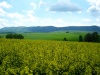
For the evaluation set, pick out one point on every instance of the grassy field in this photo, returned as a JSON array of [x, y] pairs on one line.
[[41, 57], [71, 36]]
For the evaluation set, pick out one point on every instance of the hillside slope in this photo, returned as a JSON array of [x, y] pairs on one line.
[[49, 29]]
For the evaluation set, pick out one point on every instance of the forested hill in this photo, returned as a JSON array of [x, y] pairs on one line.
[[49, 29]]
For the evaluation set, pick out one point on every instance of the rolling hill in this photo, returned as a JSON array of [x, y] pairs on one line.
[[49, 29]]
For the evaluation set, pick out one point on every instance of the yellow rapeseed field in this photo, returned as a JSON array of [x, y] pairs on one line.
[[41, 57]]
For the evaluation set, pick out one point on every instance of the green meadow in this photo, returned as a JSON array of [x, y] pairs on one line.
[[59, 36]]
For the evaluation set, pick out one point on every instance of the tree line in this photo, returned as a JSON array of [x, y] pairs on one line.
[[90, 37], [14, 36]]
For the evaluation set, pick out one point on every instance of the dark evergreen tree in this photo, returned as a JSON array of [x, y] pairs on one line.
[[65, 39], [1, 36], [95, 37], [15, 36], [10, 36], [88, 37], [80, 38], [20, 36]]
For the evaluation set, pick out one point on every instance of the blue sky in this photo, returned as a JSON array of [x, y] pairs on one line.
[[57, 13]]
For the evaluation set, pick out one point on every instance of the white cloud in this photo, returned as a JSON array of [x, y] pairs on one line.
[[18, 19], [15, 15], [29, 19], [86, 20], [77, 24], [59, 20], [94, 7], [35, 21], [41, 3], [3, 23], [94, 2], [79, 12], [33, 5], [4, 4], [3, 20], [2, 12], [30, 12], [64, 6], [52, 22], [98, 21]]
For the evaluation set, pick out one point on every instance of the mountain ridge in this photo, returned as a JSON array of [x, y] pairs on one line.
[[49, 29]]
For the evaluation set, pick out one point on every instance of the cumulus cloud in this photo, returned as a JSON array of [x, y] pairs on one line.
[[14, 15], [2, 12], [30, 19], [4, 4], [3, 22], [64, 6], [94, 7], [86, 20], [41, 3], [98, 21], [33, 5]]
